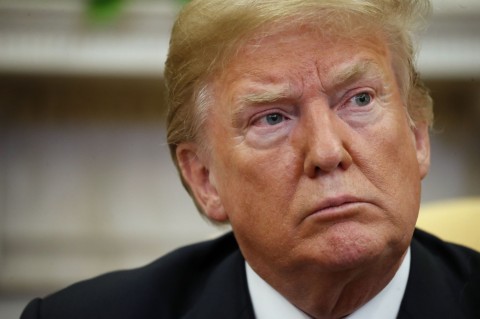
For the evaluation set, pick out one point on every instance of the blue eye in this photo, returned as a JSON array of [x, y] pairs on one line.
[[274, 118], [362, 99]]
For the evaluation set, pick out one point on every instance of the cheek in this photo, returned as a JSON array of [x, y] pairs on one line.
[[396, 173], [258, 181], [391, 150]]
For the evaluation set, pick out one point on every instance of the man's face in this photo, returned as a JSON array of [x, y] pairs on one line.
[[312, 159]]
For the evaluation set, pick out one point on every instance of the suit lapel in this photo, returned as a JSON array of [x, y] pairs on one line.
[[226, 293], [431, 291]]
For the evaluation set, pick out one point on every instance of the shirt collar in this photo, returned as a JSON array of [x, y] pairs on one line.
[[269, 304]]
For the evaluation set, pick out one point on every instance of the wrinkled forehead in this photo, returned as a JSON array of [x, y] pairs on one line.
[[275, 39]]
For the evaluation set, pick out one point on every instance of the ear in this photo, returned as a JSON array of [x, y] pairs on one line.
[[196, 173], [422, 143]]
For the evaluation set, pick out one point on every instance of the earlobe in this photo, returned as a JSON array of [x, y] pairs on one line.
[[422, 144], [197, 175]]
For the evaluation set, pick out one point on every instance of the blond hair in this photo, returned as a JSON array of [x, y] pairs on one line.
[[207, 33]]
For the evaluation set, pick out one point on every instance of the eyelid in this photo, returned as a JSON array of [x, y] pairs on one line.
[[350, 95], [287, 109], [263, 114]]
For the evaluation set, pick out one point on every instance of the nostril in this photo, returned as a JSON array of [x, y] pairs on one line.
[[319, 163]]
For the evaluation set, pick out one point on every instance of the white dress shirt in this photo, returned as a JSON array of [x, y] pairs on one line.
[[269, 304]]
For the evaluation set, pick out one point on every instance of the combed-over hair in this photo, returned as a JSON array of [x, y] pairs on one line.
[[207, 33]]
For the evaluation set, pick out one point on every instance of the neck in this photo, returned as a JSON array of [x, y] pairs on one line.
[[328, 295]]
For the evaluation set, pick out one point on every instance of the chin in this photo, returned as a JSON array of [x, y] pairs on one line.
[[352, 258], [353, 247]]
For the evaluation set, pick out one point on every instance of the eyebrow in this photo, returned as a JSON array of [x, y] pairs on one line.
[[343, 76], [264, 97], [353, 73], [260, 96]]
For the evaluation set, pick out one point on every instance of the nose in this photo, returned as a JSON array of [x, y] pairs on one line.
[[324, 140]]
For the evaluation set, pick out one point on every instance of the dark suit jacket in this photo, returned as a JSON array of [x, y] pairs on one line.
[[208, 281]]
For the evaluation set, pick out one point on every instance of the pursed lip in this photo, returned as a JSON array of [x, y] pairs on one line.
[[337, 206]]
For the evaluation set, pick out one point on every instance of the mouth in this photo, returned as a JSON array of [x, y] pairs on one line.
[[337, 207]]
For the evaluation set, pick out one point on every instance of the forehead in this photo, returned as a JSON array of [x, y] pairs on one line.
[[279, 60]]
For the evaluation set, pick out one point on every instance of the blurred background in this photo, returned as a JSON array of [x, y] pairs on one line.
[[86, 180]]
